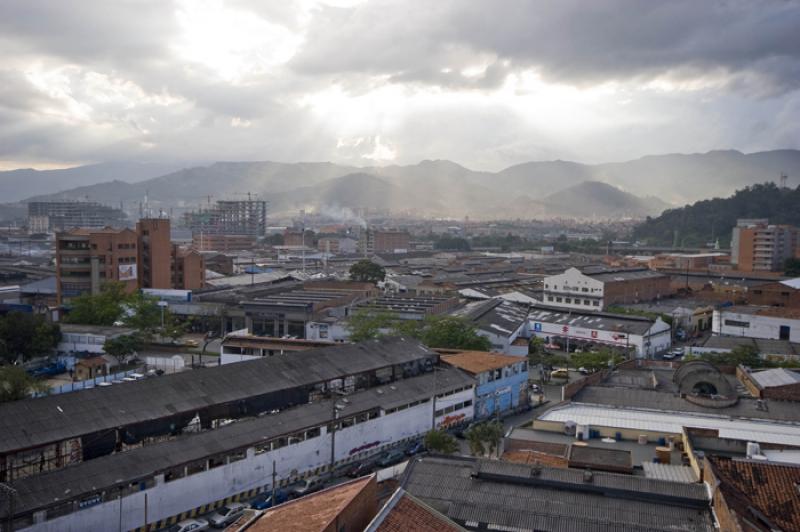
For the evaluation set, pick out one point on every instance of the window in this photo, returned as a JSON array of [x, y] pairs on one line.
[[586, 302], [584, 289], [567, 300], [549, 298], [558, 300], [737, 323], [595, 303]]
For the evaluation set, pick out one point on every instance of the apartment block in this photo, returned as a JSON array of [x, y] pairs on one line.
[[245, 217], [141, 258], [86, 258], [209, 242], [384, 241], [598, 288], [758, 246], [46, 216]]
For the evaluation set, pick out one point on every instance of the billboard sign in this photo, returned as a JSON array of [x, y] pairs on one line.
[[164, 294], [127, 272]]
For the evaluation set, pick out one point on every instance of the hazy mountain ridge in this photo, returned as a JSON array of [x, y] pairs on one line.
[[16, 185], [443, 187]]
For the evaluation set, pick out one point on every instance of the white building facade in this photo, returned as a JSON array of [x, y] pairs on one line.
[[573, 290], [753, 324]]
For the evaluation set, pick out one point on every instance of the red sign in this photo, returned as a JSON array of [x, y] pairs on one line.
[[594, 334], [452, 420], [565, 328]]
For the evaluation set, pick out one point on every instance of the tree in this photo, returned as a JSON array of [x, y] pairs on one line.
[[367, 271], [122, 347], [366, 324], [105, 308], [449, 332], [485, 438], [144, 315], [596, 361], [27, 336], [16, 384], [439, 441], [173, 328]]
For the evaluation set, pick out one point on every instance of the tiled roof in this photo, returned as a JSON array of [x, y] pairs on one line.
[[313, 512], [769, 489], [479, 361], [409, 514]]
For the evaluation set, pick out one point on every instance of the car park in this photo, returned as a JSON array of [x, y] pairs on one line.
[[391, 458], [226, 514], [189, 525], [265, 500]]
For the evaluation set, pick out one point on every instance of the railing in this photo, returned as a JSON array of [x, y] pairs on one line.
[[85, 385]]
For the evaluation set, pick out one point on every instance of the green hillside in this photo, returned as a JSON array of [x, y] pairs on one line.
[[696, 224]]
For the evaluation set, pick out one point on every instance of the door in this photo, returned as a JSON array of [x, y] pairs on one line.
[[785, 332]]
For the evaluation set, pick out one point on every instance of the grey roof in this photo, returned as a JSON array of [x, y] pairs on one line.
[[519, 496], [674, 473], [496, 316], [600, 456], [59, 417], [625, 275], [775, 377], [42, 286], [672, 402], [99, 330], [603, 321], [144, 462]]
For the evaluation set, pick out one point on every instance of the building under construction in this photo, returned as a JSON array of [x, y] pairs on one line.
[[51, 216], [245, 217]]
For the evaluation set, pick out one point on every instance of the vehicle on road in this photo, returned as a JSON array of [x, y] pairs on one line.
[[226, 515], [559, 373], [583, 371], [307, 486], [264, 500], [359, 469], [189, 525], [391, 458], [415, 447], [673, 353]]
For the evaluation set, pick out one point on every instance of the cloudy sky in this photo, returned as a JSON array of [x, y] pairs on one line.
[[487, 84]]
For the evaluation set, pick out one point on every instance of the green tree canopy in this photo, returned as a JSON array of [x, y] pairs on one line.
[[450, 332], [104, 308], [27, 336], [366, 324], [144, 315], [367, 271], [16, 384], [485, 438], [439, 441], [122, 347]]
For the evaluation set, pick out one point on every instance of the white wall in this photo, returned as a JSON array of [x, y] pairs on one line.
[[659, 336], [571, 284], [766, 327], [166, 499], [75, 342]]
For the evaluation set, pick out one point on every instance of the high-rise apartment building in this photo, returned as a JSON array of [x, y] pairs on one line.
[[45, 216], [758, 246], [244, 217], [155, 252]]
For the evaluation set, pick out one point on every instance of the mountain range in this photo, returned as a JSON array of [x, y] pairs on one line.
[[637, 188]]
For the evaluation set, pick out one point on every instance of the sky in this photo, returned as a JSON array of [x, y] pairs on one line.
[[487, 84]]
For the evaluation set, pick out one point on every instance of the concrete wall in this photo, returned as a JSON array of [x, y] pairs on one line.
[[505, 394], [659, 336]]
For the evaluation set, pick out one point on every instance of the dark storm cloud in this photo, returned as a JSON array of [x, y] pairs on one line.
[[573, 41]]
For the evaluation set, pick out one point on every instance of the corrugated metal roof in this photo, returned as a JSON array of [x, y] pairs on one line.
[[144, 462], [59, 417], [449, 485], [775, 377], [673, 473], [673, 423]]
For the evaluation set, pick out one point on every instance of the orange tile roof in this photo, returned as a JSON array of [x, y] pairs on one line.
[[409, 514], [313, 512], [479, 361], [771, 489]]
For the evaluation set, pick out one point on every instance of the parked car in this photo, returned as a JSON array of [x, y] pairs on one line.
[[359, 469], [559, 373], [187, 525], [226, 515], [415, 447], [264, 501], [583, 371], [673, 353], [306, 486], [391, 458]]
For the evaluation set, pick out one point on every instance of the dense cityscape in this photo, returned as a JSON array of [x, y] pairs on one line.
[[194, 336]]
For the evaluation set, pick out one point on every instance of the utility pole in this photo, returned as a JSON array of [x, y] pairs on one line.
[[274, 480], [335, 408]]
